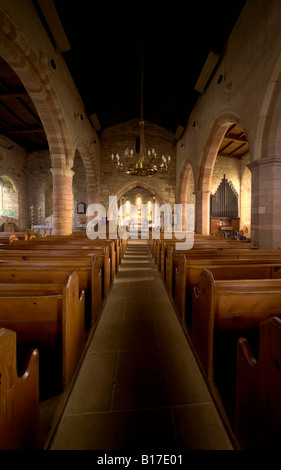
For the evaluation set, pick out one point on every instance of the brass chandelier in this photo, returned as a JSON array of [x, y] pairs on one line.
[[142, 163]]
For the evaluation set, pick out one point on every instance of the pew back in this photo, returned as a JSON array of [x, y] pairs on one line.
[[232, 305], [51, 321]]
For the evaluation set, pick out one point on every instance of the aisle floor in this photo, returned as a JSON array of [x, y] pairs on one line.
[[139, 386]]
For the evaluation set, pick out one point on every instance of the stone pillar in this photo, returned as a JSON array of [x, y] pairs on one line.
[[202, 212], [266, 203], [62, 201]]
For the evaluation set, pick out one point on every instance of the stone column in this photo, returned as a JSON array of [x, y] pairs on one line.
[[62, 201], [266, 203], [202, 212]]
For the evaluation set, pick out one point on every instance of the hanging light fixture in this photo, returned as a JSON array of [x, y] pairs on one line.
[[142, 163]]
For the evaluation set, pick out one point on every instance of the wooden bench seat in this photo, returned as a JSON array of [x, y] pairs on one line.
[[188, 271], [258, 390], [50, 320], [160, 246], [65, 255], [233, 305], [55, 271], [71, 243], [167, 248], [19, 396], [77, 238], [173, 257], [63, 251]]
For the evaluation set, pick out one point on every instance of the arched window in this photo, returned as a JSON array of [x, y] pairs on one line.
[[138, 204], [127, 209], [149, 210], [8, 198]]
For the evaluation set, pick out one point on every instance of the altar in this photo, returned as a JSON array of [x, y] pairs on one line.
[[42, 229]]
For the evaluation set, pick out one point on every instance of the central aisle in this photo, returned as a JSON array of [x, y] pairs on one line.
[[139, 386]]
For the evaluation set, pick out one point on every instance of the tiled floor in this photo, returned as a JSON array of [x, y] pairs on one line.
[[139, 385]]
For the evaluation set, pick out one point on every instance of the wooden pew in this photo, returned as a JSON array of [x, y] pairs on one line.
[[258, 390], [81, 238], [48, 270], [187, 275], [62, 252], [49, 318], [19, 396], [199, 244], [173, 257], [6, 237], [65, 255], [72, 243], [229, 305]]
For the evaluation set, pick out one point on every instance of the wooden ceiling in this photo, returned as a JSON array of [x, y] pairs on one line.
[[234, 143], [19, 120], [174, 62]]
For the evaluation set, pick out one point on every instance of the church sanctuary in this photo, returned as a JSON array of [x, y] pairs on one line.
[[140, 228]]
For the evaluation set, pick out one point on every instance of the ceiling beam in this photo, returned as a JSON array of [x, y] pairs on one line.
[[52, 17], [29, 130], [13, 94], [235, 137], [206, 71], [229, 155]]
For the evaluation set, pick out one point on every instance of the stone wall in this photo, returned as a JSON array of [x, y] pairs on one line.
[[13, 172], [39, 185], [119, 137]]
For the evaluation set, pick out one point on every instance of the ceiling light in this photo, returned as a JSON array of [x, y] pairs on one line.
[[144, 163]]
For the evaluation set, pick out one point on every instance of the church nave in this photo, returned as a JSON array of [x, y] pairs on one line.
[[139, 386]]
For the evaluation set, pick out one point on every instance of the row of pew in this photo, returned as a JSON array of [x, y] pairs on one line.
[[52, 291], [227, 295]]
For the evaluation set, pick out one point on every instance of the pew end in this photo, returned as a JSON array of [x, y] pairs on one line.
[[19, 396], [258, 390]]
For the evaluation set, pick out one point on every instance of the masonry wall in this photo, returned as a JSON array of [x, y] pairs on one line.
[[119, 137], [243, 90], [13, 166]]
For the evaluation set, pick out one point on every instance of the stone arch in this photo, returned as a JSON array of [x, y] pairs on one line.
[[217, 131], [124, 188], [186, 174], [90, 154], [34, 73]]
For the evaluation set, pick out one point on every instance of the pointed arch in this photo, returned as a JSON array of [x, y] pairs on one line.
[[124, 188]]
